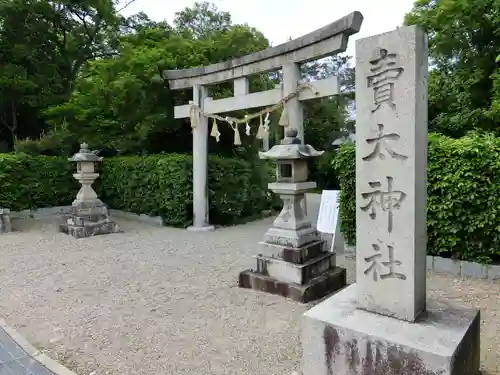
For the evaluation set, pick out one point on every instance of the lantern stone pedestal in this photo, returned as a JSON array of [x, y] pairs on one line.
[[87, 221], [89, 215], [300, 269]]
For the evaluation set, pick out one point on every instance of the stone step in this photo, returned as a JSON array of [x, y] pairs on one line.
[[89, 229], [319, 287], [294, 273], [291, 237], [298, 255]]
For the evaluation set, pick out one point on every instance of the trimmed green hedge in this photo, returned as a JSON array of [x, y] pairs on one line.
[[321, 171], [155, 185], [463, 206], [35, 181], [162, 186], [345, 166]]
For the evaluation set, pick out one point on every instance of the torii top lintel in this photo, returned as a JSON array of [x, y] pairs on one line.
[[326, 41]]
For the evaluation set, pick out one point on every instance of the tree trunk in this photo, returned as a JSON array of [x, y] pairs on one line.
[[13, 109]]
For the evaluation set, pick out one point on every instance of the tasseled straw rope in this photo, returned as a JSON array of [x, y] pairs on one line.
[[215, 131], [195, 112], [260, 131]]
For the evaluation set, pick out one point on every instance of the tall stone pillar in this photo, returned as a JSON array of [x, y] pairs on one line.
[[200, 165], [294, 108], [384, 324]]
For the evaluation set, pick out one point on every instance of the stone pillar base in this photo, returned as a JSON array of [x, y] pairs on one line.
[[303, 274], [338, 338], [204, 228], [88, 221]]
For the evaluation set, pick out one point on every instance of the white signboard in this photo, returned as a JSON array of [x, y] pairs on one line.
[[329, 218], [328, 211]]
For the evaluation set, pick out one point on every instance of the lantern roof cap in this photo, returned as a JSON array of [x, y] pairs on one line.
[[85, 154], [290, 148]]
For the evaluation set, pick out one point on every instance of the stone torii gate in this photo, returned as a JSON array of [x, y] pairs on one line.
[[327, 41]]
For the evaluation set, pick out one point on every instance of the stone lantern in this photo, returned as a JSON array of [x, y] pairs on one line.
[[300, 267], [89, 215]]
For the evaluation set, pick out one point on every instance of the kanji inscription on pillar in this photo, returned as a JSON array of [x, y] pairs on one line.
[[382, 269], [384, 73], [391, 178], [387, 200], [381, 146]]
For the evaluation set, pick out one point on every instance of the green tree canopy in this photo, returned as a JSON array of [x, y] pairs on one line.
[[74, 71], [123, 103], [43, 47], [463, 44]]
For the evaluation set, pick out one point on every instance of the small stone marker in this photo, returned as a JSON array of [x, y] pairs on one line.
[[391, 173], [329, 219], [5, 223], [371, 327]]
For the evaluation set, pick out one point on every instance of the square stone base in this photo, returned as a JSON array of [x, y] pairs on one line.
[[291, 237], [327, 283], [295, 273], [89, 229], [339, 339], [87, 222], [297, 255]]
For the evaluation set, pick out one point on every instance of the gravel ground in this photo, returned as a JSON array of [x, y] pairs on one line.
[[165, 301]]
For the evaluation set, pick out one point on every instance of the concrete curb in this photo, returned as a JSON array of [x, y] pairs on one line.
[[40, 212], [453, 267], [462, 268], [155, 220], [63, 210], [33, 352]]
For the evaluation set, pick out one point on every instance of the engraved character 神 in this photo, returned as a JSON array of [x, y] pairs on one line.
[[379, 140], [383, 75], [386, 200], [376, 265]]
